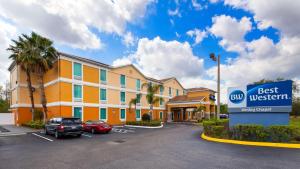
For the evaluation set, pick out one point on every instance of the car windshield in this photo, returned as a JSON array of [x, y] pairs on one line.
[[98, 122], [71, 121]]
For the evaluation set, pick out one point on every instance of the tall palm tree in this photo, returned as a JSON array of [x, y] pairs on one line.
[[152, 89], [21, 56], [45, 55]]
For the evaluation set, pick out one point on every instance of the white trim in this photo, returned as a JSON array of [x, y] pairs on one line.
[[105, 112], [196, 102], [122, 120], [146, 127], [79, 61]]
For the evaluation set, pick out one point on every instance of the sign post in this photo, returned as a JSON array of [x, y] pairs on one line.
[[264, 104]]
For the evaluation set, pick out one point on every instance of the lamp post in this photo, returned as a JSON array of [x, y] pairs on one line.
[[217, 59]]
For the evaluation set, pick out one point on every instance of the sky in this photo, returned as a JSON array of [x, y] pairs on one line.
[[167, 38]]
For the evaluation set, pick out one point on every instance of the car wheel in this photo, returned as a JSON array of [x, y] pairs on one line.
[[57, 135], [93, 131], [79, 135]]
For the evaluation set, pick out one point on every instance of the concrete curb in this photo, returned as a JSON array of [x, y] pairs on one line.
[[146, 127], [250, 143], [11, 134]]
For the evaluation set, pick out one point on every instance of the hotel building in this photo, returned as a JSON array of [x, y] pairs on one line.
[[90, 90]]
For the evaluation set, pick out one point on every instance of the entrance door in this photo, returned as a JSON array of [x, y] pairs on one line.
[[78, 112]]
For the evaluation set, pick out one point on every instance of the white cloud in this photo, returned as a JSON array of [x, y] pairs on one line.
[[197, 34], [7, 32], [128, 39], [231, 31], [196, 5], [160, 59], [174, 12], [70, 22]]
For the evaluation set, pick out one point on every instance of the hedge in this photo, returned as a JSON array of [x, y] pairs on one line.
[[144, 123], [251, 132], [35, 124]]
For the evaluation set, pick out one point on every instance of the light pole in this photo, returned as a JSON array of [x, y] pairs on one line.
[[217, 59]]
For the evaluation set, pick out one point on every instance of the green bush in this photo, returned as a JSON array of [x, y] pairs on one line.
[[144, 123], [35, 124], [38, 115], [249, 133], [146, 117], [216, 128], [280, 133]]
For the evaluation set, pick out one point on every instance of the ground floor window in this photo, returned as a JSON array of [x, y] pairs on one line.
[[77, 112], [122, 114], [138, 114], [172, 116], [161, 115], [103, 114]]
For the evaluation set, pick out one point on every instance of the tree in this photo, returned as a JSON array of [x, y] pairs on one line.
[[134, 102], [21, 55], [45, 55], [200, 109], [224, 108], [152, 89]]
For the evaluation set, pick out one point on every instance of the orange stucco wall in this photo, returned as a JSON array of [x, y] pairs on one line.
[[90, 94], [66, 69], [90, 74], [90, 113], [67, 94]]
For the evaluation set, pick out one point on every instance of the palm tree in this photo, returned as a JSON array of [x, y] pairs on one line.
[[134, 102], [21, 56], [45, 55], [152, 89]]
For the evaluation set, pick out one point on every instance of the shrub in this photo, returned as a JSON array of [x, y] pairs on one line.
[[146, 117], [35, 124], [249, 132], [280, 133], [216, 128], [296, 133], [144, 123], [38, 115]]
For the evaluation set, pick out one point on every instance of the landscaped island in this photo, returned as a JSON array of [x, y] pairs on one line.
[[252, 132]]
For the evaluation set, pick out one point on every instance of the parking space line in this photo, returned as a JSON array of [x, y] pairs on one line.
[[86, 135], [42, 137]]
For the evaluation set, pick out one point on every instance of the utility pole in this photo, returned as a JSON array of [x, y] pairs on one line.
[[217, 59]]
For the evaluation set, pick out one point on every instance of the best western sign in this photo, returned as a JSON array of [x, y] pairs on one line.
[[269, 97]]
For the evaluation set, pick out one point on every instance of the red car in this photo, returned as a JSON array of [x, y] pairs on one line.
[[96, 127]]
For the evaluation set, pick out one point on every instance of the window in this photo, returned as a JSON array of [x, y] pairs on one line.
[[170, 91], [161, 90], [161, 101], [102, 75], [122, 97], [138, 84], [123, 114], [103, 114], [77, 91], [77, 71], [138, 114], [161, 115], [138, 98], [103, 94], [177, 92], [77, 112], [122, 80]]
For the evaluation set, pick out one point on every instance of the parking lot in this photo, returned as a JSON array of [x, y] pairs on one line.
[[174, 146]]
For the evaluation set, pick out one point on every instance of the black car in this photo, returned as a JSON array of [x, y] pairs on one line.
[[62, 126]]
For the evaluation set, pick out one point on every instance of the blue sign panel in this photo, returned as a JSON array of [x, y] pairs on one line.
[[270, 94]]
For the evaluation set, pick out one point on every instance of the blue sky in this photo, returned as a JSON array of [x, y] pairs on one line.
[[166, 38]]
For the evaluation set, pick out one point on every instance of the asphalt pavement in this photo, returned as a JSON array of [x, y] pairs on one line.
[[174, 146]]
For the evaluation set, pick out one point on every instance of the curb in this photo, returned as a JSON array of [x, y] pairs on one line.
[[11, 134], [145, 127], [250, 143]]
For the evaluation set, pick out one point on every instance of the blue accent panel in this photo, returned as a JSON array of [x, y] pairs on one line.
[[265, 119]]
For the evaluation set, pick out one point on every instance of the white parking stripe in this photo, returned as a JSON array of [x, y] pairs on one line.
[[86, 135], [42, 137]]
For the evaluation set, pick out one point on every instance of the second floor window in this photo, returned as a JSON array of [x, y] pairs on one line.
[[161, 90], [122, 80], [77, 91], [103, 75], [170, 91], [161, 102], [138, 98], [77, 71], [103, 94], [122, 97], [177, 92], [138, 84]]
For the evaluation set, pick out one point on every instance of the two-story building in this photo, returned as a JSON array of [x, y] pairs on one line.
[[90, 90]]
